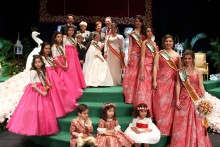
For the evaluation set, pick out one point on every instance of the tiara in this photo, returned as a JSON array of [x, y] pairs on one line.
[[108, 105], [142, 108]]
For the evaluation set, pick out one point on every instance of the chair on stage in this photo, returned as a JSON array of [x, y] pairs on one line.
[[201, 64]]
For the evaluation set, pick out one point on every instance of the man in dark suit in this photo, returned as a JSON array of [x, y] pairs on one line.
[[107, 28], [69, 22]]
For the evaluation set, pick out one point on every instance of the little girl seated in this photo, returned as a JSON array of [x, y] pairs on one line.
[[109, 131], [142, 129]]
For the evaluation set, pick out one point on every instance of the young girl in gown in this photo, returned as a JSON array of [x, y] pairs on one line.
[[34, 114], [60, 59], [95, 68], [62, 101], [188, 129], [142, 129], [74, 66], [109, 131]]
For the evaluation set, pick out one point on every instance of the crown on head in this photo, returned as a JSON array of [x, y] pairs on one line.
[[108, 105], [142, 108]]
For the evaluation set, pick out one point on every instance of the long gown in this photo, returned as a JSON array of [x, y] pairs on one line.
[[118, 139], [145, 93], [34, 114], [188, 130], [96, 72], [163, 101], [73, 89], [62, 101], [74, 66], [130, 80], [114, 63]]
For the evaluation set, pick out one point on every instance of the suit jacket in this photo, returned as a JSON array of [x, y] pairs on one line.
[[104, 30], [64, 27]]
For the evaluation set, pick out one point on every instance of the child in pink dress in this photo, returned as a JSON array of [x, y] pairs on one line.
[[34, 114], [109, 131], [74, 66], [60, 59], [81, 127], [62, 101]]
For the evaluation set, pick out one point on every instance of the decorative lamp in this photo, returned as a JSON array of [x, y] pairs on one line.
[[18, 48]]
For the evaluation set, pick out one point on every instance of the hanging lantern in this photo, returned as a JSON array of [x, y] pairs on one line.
[[18, 48]]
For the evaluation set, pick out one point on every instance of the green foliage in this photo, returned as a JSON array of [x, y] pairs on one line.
[[214, 53], [10, 65], [188, 45]]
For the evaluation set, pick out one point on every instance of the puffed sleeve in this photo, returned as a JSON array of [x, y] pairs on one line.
[[33, 77], [117, 126], [54, 51], [133, 124], [101, 127]]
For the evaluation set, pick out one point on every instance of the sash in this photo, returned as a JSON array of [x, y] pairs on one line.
[[116, 54], [50, 61], [137, 38], [97, 46], [151, 48], [140, 125], [169, 60], [192, 93], [43, 80], [72, 41], [60, 50]]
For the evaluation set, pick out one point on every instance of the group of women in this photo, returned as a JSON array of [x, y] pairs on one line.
[[154, 77]]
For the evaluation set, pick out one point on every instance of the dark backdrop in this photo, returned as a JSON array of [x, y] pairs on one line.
[[184, 18]]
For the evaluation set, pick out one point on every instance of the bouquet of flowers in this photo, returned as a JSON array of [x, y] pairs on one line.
[[204, 107]]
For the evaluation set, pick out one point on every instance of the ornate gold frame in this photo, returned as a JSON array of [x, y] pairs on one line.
[[44, 16]]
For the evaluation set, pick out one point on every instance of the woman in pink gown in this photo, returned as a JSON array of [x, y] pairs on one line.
[[74, 66], [34, 115], [130, 79], [62, 101], [61, 68], [144, 90], [188, 130], [166, 64]]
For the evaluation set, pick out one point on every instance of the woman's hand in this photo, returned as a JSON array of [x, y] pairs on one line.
[[154, 85]]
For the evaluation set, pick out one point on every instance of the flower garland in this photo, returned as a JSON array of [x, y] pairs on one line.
[[108, 105]]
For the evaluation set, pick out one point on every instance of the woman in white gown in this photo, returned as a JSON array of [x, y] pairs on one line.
[[114, 54], [95, 68]]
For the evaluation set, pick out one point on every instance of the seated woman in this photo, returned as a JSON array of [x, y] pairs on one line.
[[95, 68]]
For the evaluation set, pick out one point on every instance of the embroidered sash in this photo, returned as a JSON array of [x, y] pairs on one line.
[[60, 50], [97, 46], [191, 91], [72, 41], [50, 61], [43, 79], [151, 48], [137, 38], [168, 59], [120, 57]]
